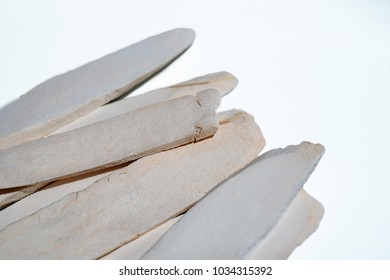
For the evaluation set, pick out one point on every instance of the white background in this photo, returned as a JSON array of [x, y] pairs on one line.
[[308, 70]]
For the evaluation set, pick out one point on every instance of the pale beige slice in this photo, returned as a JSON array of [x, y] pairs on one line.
[[300, 220], [64, 98], [131, 201], [236, 216], [223, 82], [110, 142]]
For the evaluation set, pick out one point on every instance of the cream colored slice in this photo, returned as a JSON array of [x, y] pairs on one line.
[[240, 212], [222, 81], [66, 97], [300, 220], [110, 142], [131, 201]]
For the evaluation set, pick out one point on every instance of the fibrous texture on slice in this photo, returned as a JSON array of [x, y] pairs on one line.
[[110, 142], [133, 200]]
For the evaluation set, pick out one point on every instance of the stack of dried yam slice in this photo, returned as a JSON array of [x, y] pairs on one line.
[[160, 175]]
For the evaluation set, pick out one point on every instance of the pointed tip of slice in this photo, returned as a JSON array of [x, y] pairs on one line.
[[229, 82], [186, 34], [308, 150], [229, 76], [187, 30], [224, 82]]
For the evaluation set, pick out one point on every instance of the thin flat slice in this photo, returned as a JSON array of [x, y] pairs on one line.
[[131, 201], [240, 212], [111, 142], [222, 81], [300, 220], [64, 98]]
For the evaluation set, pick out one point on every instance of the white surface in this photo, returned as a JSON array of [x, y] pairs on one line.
[[308, 70]]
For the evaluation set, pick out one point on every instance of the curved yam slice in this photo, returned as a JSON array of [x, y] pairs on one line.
[[298, 222], [133, 200], [111, 142], [241, 211], [64, 98], [223, 82]]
